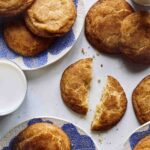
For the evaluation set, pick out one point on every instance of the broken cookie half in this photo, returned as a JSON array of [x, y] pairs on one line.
[[75, 84], [112, 106]]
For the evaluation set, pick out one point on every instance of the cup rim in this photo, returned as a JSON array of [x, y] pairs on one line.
[[22, 75]]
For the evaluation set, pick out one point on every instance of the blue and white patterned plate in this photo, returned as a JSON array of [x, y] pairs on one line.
[[139, 134], [54, 53], [79, 139]]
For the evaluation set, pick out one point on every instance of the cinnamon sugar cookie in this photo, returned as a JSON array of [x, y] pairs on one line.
[[103, 24], [13, 7], [22, 41], [135, 41], [112, 106], [141, 100], [49, 18], [42, 136], [75, 84], [144, 144]]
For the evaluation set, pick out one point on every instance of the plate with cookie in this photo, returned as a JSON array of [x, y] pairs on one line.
[[36, 33], [47, 133], [140, 139]]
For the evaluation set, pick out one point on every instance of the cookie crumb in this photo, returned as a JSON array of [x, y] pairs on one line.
[[117, 129], [99, 81], [97, 54], [83, 51], [100, 139], [93, 57]]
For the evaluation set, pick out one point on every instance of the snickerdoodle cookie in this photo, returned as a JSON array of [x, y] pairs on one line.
[[144, 144], [103, 24], [49, 18], [112, 106], [135, 41], [75, 84], [13, 7], [141, 100], [22, 41], [42, 136]]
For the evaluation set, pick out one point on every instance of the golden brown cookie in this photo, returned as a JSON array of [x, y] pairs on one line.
[[144, 144], [141, 100], [135, 41], [112, 106], [13, 7], [42, 136], [48, 18], [75, 84], [22, 41], [103, 24]]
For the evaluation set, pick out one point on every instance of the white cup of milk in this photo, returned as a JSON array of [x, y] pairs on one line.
[[13, 87], [143, 2]]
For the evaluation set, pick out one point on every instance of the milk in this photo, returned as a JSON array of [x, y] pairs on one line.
[[12, 87]]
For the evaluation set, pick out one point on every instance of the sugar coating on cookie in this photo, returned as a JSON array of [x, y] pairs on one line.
[[103, 23], [135, 41], [22, 41], [144, 144], [141, 100], [13, 7], [42, 136], [75, 84], [51, 17], [112, 106]]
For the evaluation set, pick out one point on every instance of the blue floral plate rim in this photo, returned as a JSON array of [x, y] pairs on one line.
[[73, 131], [136, 136]]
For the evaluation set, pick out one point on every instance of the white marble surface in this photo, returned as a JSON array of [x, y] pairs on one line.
[[43, 96]]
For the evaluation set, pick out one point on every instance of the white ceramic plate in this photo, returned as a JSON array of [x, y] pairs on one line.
[[139, 134], [61, 46], [80, 140]]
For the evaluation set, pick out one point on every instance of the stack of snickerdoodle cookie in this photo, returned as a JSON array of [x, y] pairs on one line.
[[113, 27], [38, 23]]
